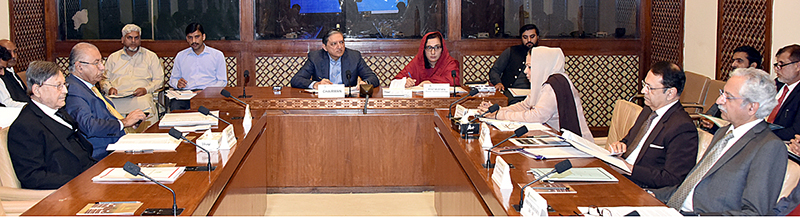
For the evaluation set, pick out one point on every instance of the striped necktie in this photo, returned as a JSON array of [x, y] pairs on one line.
[[677, 199]]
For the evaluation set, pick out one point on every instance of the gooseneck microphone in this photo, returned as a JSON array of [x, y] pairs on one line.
[[246, 80], [450, 109], [177, 134], [136, 171], [203, 110], [517, 133], [349, 88], [227, 94], [559, 168], [491, 109], [453, 74]]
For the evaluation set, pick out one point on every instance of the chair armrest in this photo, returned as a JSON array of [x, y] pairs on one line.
[[18, 194], [15, 208]]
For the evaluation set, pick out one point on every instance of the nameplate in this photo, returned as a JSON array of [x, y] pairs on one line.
[[436, 90], [228, 138], [485, 136], [247, 121], [501, 175], [402, 93], [331, 91], [209, 140], [460, 111], [533, 204]]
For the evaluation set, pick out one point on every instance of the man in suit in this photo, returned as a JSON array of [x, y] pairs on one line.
[[743, 57], [97, 118], [13, 92], [661, 147], [45, 144], [742, 171], [506, 71], [331, 64], [786, 113]]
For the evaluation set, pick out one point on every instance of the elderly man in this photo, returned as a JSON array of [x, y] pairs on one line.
[[786, 113], [197, 67], [505, 72], [133, 73], [742, 171], [661, 147], [331, 64], [98, 119], [46, 146], [13, 92]]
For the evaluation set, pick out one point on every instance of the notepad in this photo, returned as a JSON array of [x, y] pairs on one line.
[[145, 141], [188, 119], [582, 174], [161, 174], [518, 92]]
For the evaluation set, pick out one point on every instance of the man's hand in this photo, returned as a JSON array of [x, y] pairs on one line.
[[425, 82], [134, 117], [499, 87], [483, 107], [139, 91], [410, 82], [794, 144], [182, 83], [324, 81], [112, 91], [706, 124], [617, 147]]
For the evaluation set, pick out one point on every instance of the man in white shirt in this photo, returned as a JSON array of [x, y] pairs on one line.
[[13, 92]]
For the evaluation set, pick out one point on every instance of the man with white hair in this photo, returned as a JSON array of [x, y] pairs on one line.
[[742, 172], [132, 74]]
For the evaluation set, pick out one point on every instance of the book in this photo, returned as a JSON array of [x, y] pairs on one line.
[[111, 208], [587, 174], [161, 174]]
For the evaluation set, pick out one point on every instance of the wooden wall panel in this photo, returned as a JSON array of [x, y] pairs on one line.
[[667, 31], [742, 22]]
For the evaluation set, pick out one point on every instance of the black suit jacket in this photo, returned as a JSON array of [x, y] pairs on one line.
[[18, 92], [45, 153], [668, 153], [316, 68], [788, 117]]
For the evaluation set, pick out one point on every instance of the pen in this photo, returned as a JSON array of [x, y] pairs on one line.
[[143, 151], [551, 188], [409, 75], [118, 202], [535, 156], [513, 149]]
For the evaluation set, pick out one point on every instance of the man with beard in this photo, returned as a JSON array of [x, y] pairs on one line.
[[13, 92], [197, 67], [506, 70], [133, 73]]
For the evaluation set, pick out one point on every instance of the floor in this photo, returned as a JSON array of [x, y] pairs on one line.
[[362, 204]]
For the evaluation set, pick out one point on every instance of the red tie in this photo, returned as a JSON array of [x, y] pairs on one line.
[[777, 108]]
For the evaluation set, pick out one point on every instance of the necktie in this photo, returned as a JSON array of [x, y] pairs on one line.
[[677, 199], [108, 105], [636, 140], [777, 108], [64, 116]]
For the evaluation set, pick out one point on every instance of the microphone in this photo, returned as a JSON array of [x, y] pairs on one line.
[[492, 109], [366, 102], [559, 168], [517, 133], [450, 109], [136, 171], [227, 94], [203, 110], [347, 75], [246, 80], [177, 134], [453, 74]]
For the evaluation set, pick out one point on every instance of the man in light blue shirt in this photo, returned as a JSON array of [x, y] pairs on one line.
[[197, 67]]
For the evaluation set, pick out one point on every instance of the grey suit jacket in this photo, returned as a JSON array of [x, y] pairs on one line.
[[746, 180]]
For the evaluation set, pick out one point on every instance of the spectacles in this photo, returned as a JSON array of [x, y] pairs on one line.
[[96, 63], [726, 97], [58, 86], [778, 66], [431, 48], [650, 89]]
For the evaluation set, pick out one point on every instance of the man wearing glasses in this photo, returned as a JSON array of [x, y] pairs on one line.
[[788, 73], [331, 64], [661, 147], [506, 71], [98, 119]]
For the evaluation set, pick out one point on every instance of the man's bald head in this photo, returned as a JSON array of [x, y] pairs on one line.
[[79, 52]]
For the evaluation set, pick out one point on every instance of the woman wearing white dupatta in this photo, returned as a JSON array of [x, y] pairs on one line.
[[549, 86]]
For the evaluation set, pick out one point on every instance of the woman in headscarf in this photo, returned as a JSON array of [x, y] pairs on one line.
[[432, 64], [553, 99]]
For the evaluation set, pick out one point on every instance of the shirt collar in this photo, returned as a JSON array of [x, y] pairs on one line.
[[664, 109], [738, 132], [46, 109], [205, 50], [85, 82], [334, 62], [791, 88]]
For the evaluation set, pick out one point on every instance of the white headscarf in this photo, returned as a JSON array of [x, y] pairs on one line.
[[545, 61]]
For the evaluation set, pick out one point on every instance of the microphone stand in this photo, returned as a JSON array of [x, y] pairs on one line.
[[559, 168], [177, 134], [137, 171], [518, 132]]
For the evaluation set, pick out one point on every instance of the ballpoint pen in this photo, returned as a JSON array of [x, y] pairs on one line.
[[535, 156], [409, 75], [513, 149]]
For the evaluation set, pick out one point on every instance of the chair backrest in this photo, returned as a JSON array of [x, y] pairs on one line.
[[713, 93], [790, 180], [622, 119], [8, 178], [694, 90], [703, 141]]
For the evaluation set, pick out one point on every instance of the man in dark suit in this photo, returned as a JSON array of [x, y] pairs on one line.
[[97, 118], [742, 171], [331, 64], [14, 93], [786, 113], [45, 144], [661, 147]]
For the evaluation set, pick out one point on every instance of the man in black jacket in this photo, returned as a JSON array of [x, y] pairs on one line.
[[506, 70]]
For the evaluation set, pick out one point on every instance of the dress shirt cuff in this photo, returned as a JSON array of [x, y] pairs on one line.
[[121, 126], [311, 86]]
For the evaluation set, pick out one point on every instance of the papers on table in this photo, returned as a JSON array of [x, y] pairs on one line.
[[194, 128], [8, 115], [590, 148], [122, 94], [583, 174], [420, 89], [717, 121], [555, 152], [625, 210], [188, 119], [180, 94], [540, 141], [161, 174], [145, 141], [505, 126], [518, 92]]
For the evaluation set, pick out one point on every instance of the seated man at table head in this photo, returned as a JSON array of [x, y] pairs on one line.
[[197, 67], [330, 65], [432, 64], [98, 119], [661, 147], [506, 71], [743, 57], [133, 70], [45, 143], [742, 171], [13, 92], [787, 113], [553, 99]]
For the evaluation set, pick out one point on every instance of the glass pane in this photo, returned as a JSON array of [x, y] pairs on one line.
[[555, 18], [310, 19], [220, 18]]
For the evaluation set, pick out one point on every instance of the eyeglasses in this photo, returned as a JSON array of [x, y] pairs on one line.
[[96, 63], [58, 86], [726, 97], [432, 48], [647, 87], [778, 66]]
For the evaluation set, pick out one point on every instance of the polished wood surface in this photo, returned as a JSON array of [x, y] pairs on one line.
[[295, 98], [200, 193], [455, 193]]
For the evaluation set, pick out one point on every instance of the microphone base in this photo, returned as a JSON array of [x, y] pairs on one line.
[[490, 166], [161, 212], [200, 168], [245, 96]]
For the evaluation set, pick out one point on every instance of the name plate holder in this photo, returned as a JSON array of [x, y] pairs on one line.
[[331, 91], [435, 90], [533, 204], [217, 140]]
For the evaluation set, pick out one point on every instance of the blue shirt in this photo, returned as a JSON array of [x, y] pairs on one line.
[[335, 71], [200, 71]]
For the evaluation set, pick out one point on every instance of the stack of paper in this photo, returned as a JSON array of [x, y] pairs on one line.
[[188, 119], [590, 148], [180, 94], [517, 92], [111, 208], [145, 141], [590, 174], [505, 126], [161, 174]]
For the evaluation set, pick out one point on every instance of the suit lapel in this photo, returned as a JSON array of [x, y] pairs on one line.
[[736, 147], [345, 66], [789, 101], [643, 115], [325, 72], [56, 128], [657, 130]]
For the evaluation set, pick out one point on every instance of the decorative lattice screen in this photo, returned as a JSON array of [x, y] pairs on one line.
[[667, 30], [29, 30], [742, 22]]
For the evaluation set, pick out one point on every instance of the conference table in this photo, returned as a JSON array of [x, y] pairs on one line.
[[300, 143]]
